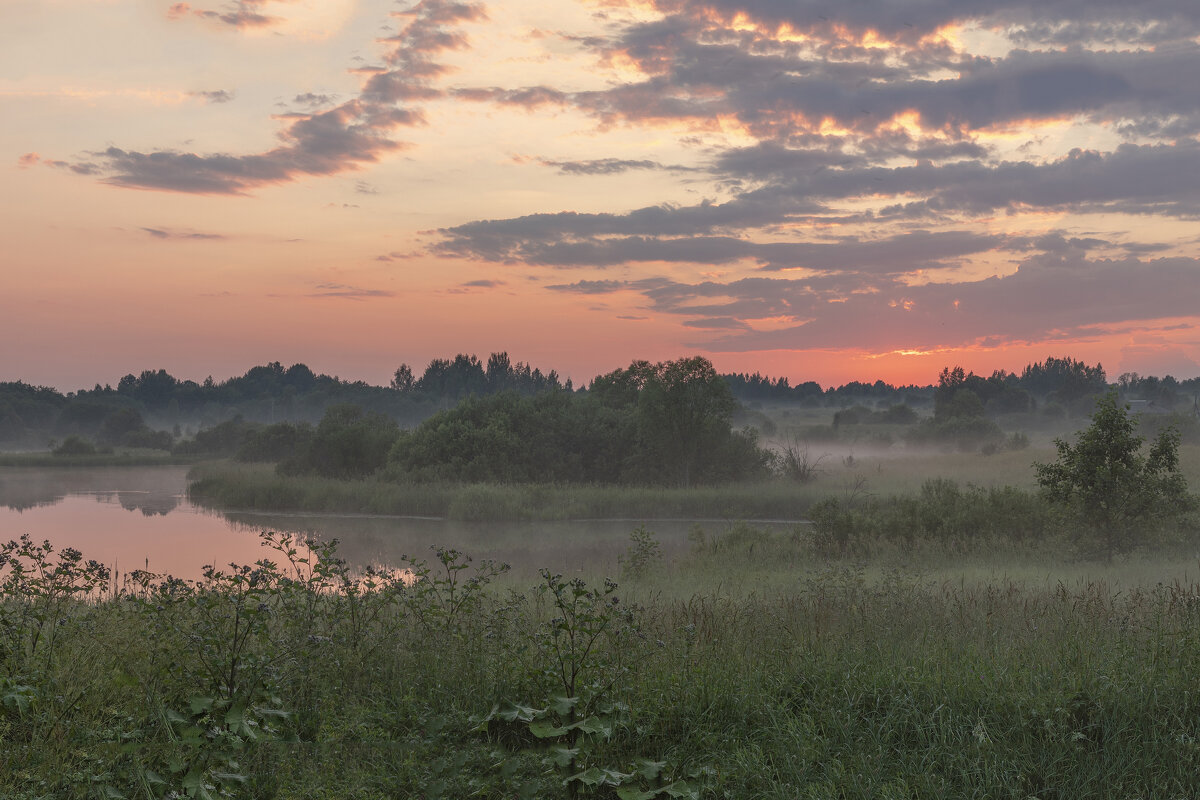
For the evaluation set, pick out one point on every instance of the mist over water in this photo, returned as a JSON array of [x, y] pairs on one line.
[[140, 518]]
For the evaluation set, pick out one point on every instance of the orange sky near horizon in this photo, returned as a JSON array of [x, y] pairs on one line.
[[815, 190]]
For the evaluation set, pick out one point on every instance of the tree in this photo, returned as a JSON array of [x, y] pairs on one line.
[[684, 411], [348, 443], [1109, 485], [402, 381]]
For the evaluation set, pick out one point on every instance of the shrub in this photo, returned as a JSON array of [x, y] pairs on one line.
[[75, 446]]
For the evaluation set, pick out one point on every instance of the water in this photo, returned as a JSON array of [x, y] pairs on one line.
[[140, 518]]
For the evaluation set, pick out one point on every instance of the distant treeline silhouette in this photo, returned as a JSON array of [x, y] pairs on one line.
[[155, 409]]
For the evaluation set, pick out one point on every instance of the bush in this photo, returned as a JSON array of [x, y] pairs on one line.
[[348, 443], [964, 433], [274, 442], [75, 446], [942, 512]]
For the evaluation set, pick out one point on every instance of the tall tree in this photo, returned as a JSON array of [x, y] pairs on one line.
[[684, 412]]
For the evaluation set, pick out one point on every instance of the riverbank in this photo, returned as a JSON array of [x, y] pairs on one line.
[[237, 487], [227, 485], [128, 458]]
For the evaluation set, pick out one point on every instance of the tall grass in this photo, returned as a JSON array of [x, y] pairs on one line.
[[241, 487], [839, 679]]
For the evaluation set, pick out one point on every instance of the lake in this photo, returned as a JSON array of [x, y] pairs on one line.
[[140, 518]]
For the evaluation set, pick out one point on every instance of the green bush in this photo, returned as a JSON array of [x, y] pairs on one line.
[[75, 446]]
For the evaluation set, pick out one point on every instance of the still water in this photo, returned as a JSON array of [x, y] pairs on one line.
[[140, 518]]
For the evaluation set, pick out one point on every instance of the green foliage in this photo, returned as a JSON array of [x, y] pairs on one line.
[[275, 443], [900, 414], [74, 446], [348, 443], [1066, 380], [797, 462], [125, 427], [683, 416], [41, 592], [962, 518], [964, 433], [438, 596], [847, 680], [222, 439], [643, 556], [663, 424], [1109, 485], [225, 485], [507, 437]]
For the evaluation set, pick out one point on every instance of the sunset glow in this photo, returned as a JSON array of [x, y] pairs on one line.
[[819, 190]]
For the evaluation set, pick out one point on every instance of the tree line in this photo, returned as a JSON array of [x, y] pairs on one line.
[[155, 409]]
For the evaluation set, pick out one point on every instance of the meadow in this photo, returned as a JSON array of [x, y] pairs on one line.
[[934, 628], [757, 665], [844, 470]]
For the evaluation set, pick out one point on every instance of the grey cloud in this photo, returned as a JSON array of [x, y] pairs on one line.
[[348, 292], [607, 166], [237, 14], [589, 287], [1044, 298], [314, 99], [343, 138], [1053, 20], [895, 254], [166, 233], [215, 96], [717, 323]]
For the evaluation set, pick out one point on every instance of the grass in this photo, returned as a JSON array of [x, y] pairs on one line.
[[125, 458], [929, 653], [847, 475], [230, 486], [823, 678]]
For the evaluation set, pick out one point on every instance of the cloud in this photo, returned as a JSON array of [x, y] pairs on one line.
[[1052, 21], [167, 233], [607, 166], [346, 137], [348, 292], [1045, 298], [216, 96], [237, 14], [484, 284], [314, 100]]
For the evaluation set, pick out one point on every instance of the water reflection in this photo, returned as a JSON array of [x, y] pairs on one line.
[[139, 518]]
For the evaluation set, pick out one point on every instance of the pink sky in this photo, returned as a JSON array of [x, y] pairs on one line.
[[819, 189]]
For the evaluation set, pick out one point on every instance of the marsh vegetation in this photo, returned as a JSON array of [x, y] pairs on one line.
[[927, 616], [756, 664]]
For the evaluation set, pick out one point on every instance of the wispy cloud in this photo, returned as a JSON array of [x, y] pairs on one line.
[[214, 96], [343, 138], [237, 14], [169, 233], [348, 292]]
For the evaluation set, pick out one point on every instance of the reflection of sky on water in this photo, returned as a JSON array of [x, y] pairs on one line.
[[131, 517]]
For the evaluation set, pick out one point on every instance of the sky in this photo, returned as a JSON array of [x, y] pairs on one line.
[[817, 189]]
